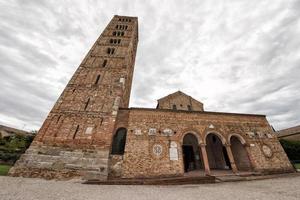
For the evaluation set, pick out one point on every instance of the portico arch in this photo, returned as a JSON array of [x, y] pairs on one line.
[[216, 151], [191, 153], [242, 140], [219, 135], [240, 153]]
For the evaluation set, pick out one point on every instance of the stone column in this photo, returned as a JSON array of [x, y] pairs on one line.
[[231, 159], [205, 159]]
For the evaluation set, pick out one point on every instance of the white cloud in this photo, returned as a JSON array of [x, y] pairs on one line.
[[234, 56]]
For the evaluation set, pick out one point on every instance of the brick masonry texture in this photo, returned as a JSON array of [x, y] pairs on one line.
[[139, 160], [77, 136]]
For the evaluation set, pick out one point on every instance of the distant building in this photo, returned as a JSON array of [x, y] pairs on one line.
[[91, 131], [6, 132], [291, 134]]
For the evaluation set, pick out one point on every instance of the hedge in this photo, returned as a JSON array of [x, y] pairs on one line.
[[292, 149]]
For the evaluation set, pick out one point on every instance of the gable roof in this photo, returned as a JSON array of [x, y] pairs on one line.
[[176, 94], [289, 131]]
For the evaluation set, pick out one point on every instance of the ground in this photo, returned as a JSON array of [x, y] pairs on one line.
[[31, 189]]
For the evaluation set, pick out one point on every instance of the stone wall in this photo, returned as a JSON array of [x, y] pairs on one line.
[[151, 133], [61, 162]]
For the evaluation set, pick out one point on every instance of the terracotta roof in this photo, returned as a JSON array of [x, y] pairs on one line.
[[289, 131]]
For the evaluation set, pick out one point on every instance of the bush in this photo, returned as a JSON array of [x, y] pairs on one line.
[[292, 149], [11, 148]]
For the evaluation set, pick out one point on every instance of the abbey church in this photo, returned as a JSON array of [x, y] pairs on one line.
[[92, 133]]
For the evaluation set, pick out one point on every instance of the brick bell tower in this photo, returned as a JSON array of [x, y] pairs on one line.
[[75, 139]]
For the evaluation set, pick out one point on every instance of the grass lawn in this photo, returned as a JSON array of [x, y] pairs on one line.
[[297, 165], [4, 169]]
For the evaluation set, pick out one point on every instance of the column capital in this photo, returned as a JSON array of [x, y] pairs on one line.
[[202, 145], [227, 145]]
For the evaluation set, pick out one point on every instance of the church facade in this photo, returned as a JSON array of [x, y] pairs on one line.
[[91, 132]]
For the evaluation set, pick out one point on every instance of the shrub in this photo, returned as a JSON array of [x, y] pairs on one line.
[[292, 149]]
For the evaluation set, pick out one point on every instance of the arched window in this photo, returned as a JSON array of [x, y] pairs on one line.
[[110, 51], [119, 141], [174, 107]]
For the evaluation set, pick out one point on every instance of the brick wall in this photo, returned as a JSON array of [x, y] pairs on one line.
[[140, 160]]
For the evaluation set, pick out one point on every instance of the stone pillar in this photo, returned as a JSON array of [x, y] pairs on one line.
[[231, 159], [205, 159]]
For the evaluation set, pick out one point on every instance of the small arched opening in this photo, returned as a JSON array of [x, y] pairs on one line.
[[191, 154], [119, 141], [216, 153], [240, 154]]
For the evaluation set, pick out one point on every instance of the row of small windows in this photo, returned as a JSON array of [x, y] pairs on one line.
[[124, 20], [118, 33], [115, 41], [188, 107], [122, 27], [110, 51]]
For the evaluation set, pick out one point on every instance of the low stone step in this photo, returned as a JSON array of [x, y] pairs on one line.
[[155, 181]]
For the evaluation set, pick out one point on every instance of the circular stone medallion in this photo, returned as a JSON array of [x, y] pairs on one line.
[[157, 149], [267, 151]]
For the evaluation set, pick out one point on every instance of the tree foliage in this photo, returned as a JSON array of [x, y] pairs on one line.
[[292, 149], [12, 147]]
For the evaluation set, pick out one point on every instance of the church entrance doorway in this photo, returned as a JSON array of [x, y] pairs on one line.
[[191, 153]]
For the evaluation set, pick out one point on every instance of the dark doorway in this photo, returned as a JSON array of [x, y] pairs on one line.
[[188, 158], [216, 153], [227, 161], [191, 153]]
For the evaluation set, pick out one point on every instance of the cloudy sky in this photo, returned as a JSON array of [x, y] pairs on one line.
[[233, 55]]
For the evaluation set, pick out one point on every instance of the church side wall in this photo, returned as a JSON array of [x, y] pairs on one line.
[[151, 134]]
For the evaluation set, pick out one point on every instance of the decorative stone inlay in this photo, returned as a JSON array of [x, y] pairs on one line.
[[173, 151], [167, 132], [157, 149], [173, 144], [251, 134], [152, 131], [267, 151], [89, 130], [211, 126], [138, 132]]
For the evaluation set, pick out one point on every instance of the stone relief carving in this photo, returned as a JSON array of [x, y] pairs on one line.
[[173, 151], [152, 131], [167, 132], [138, 132], [267, 151], [157, 149]]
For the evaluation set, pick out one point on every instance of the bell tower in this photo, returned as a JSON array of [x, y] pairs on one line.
[[76, 136]]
